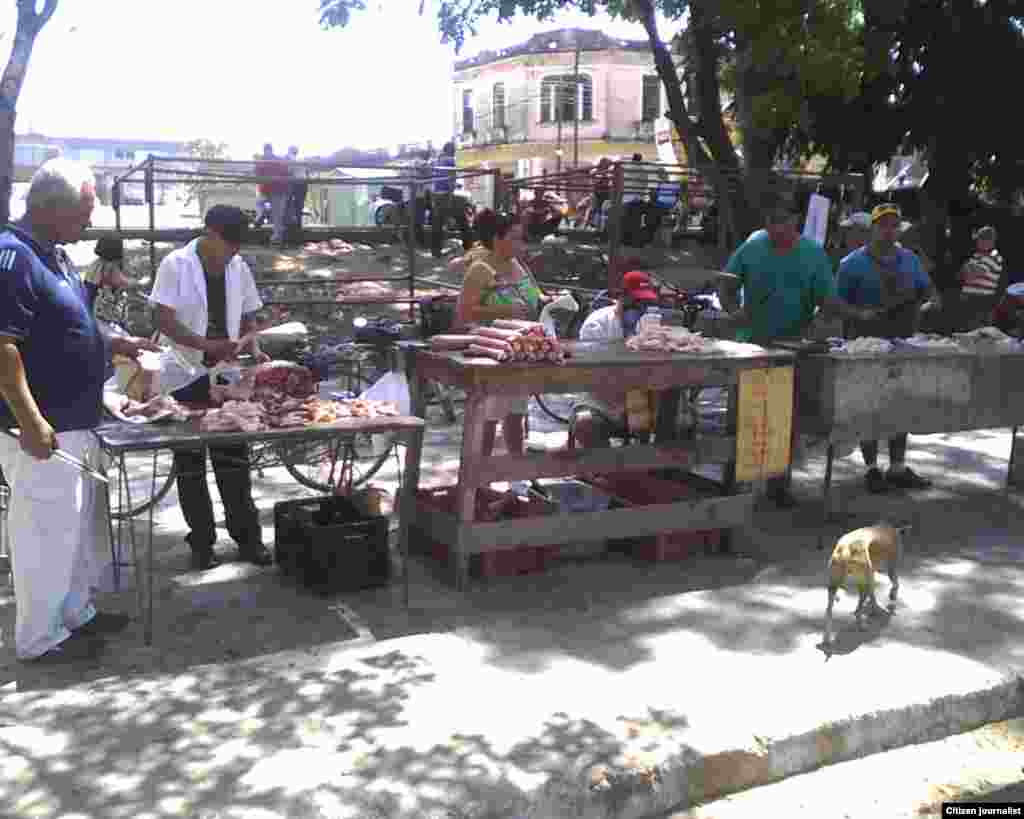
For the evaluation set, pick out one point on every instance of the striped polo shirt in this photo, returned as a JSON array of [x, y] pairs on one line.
[[981, 274]]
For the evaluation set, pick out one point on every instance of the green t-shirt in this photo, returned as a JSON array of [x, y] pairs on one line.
[[782, 289]]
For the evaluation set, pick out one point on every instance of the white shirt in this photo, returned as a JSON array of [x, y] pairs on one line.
[[181, 285], [602, 325], [605, 325]]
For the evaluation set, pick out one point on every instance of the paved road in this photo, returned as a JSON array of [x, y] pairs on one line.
[[910, 783]]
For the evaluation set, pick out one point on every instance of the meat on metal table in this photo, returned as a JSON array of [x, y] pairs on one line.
[[120, 437], [847, 398], [589, 365]]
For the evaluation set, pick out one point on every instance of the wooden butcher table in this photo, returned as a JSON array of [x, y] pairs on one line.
[[756, 446]]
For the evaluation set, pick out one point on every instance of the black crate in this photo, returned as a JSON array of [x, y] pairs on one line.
[[330, 545], [392, 194]]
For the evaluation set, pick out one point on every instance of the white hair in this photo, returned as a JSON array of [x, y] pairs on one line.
[[59, 182]]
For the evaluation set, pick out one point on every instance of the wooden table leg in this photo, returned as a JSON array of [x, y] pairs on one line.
[[666, 428], [473, 425], [407, 501], [148, 622]]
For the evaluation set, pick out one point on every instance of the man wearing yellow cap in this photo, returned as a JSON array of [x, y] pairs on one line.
[[889, 281]]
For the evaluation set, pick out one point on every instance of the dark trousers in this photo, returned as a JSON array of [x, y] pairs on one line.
[[445, 206], [231, 470], [897, 451], [296, 202]]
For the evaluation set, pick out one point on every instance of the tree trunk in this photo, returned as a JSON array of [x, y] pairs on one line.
[[30, 23]]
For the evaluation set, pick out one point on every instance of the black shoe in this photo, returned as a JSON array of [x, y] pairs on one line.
[[105, 622], [907, 479], [205, 560], [257, 555], [875, 481], [74, 649]]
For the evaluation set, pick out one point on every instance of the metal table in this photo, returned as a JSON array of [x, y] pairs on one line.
[[589, 365], [849, 398], [120, 437]]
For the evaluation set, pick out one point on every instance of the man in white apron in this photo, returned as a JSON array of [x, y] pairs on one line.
[[53, 356], [205, 298]]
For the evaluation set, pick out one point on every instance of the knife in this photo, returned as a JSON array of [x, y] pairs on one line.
[[69, 459]]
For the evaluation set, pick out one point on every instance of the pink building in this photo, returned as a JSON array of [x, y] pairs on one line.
[[529, 109]]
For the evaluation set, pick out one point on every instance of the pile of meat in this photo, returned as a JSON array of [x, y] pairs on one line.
[[986, 338], [932, 341], [234, 416], [267, 381], [160, 407], [867, 344], [332, 247], [667, 339], [505, 340], [283, 412]]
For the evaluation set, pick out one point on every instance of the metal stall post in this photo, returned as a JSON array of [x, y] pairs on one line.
[[115, 202], [414, 190], [614, 227], [151, 199], [499, 191]]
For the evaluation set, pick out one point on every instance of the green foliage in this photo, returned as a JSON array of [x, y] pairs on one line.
[[207, 149], [337, 13]]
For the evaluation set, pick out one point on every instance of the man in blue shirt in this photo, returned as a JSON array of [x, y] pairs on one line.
[[785, 277], [53, 357], [889, 281]]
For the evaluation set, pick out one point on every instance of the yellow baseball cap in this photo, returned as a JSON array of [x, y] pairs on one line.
[[887, 209]]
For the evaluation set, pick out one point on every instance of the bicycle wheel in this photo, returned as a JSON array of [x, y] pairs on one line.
[[547, 409], [324, 465], [135, 484]]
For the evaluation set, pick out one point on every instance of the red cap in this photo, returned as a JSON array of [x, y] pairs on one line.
[[637, 285]]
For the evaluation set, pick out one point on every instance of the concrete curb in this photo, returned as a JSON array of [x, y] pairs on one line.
[[637, 788]]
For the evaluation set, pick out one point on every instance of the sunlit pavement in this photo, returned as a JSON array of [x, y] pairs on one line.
[[601, 686]]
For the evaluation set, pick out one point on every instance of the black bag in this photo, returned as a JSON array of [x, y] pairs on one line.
[[379, 331]]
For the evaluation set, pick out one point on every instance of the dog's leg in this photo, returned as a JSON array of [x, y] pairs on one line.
[[895, 580], [828, 612], [861, 603]]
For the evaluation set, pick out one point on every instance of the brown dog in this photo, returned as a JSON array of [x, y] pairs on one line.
[[857, 556]]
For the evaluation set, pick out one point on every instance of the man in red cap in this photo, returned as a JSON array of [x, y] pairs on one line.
[[613, 323]]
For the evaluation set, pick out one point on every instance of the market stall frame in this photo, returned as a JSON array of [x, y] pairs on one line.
[[589, 364], [118, 438]]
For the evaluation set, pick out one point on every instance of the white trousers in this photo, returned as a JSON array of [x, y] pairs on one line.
[[55, 528]]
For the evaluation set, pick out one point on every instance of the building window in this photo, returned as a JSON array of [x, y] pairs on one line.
[[563, 98], [651, 104], [498, 105], [467, 112]]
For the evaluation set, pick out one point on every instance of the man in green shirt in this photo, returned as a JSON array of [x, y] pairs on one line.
[[785, 278]]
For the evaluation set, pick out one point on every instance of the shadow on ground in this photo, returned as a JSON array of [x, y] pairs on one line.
[[248, 741]]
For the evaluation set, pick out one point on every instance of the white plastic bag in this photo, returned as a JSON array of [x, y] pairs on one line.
[[564, 302], [392, 386]]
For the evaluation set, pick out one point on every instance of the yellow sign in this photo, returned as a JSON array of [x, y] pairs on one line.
[[764, 424]]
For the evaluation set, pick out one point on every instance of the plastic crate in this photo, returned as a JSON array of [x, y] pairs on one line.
[[492, 506], [639, 489], [330, 545]]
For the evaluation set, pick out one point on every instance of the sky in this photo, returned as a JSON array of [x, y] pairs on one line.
[[247, 72]]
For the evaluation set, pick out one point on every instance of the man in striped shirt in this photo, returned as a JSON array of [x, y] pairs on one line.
[[980, 277]]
